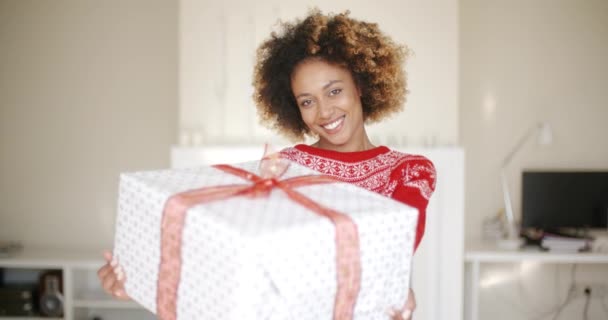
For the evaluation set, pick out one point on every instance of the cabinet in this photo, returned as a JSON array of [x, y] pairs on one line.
[[84, 298], [481, 254]]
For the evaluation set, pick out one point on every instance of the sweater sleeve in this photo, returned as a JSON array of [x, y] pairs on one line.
[[415, 185]]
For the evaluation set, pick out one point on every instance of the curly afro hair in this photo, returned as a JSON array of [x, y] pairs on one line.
[[374, 60]]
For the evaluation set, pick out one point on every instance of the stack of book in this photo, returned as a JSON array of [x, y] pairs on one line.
[[565, 243]]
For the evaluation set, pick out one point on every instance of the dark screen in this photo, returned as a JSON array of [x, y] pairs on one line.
[[562, 199]]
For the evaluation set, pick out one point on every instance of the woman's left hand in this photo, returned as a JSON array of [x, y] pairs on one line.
[[408, 309]]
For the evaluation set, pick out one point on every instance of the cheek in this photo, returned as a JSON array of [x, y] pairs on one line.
[[355, 104], [308, 116], [351, 100]]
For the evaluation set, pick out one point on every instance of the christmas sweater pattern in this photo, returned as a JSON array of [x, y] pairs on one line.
[[408, 178]]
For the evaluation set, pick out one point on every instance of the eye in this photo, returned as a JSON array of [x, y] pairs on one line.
[[305, 103], [335, 91]]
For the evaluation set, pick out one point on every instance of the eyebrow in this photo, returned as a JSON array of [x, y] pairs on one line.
[[324, 87]]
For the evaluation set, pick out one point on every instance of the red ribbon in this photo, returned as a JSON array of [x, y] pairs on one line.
[[348, 260]]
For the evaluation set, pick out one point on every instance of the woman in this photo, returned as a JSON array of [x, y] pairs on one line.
[[326, 76]]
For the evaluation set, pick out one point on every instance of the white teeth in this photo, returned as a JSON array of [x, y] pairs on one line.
[[334, 124]]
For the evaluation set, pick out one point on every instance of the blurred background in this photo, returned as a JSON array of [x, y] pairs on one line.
[[89, 89]]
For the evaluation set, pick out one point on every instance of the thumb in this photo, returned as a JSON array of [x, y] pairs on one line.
[[107, 254], [406, 314]]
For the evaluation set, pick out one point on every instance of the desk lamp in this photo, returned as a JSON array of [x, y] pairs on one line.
[[545, 137]]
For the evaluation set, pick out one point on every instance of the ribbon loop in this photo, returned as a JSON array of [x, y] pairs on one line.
[[272, 164], [262, 188]]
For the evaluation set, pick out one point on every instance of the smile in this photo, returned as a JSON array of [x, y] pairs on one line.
[[334, 124]]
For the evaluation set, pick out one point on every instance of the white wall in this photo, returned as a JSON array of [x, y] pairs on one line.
[[521, 62], [87, 89], [217, 49]]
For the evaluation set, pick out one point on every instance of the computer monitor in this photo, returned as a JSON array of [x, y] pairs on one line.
[[554, 200]]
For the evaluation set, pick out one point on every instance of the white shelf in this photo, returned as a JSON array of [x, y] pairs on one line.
[[48, 259], [100, 300], [491, 253], [82, 292], [105, 304]]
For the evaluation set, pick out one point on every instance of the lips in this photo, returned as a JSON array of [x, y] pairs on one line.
[[334, 125]]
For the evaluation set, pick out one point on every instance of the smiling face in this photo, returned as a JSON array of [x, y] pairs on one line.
[[330, 104]]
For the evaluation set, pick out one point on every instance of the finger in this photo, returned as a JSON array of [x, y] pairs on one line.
[[108, 282], [394, 314], [411, 301], [117, 287], [121, 294], [406, 314], [104, 270], [411, 304], [120, 274], [107, 255]]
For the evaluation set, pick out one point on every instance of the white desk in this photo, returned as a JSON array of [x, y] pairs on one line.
[[491, 254]]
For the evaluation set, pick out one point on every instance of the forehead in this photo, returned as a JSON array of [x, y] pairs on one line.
[[316, 73]]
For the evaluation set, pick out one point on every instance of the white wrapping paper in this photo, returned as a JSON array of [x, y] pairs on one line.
[[262, 258]]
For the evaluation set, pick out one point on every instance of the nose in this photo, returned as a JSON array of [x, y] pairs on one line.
[[326, 109]]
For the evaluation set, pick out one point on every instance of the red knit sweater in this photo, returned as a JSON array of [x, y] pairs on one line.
[[407, 178]]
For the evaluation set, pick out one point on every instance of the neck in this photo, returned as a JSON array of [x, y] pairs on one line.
[[354, 145]]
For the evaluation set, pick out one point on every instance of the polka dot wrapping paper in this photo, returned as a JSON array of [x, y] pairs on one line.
[[262, 258]]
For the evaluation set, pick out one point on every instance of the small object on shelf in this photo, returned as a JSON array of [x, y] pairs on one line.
[[16, 301], [9, 249], [509, 238], [600, 244], [493, 227], [51, 299], [565, 244]]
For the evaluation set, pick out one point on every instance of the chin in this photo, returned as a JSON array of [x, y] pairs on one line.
[[336, 141]]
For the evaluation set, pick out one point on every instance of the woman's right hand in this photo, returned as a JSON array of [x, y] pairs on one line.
[[112, 277]]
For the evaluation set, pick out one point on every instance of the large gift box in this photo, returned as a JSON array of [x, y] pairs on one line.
[[320, 250]]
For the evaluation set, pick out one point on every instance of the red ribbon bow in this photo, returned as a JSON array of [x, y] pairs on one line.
[[348, 260]]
